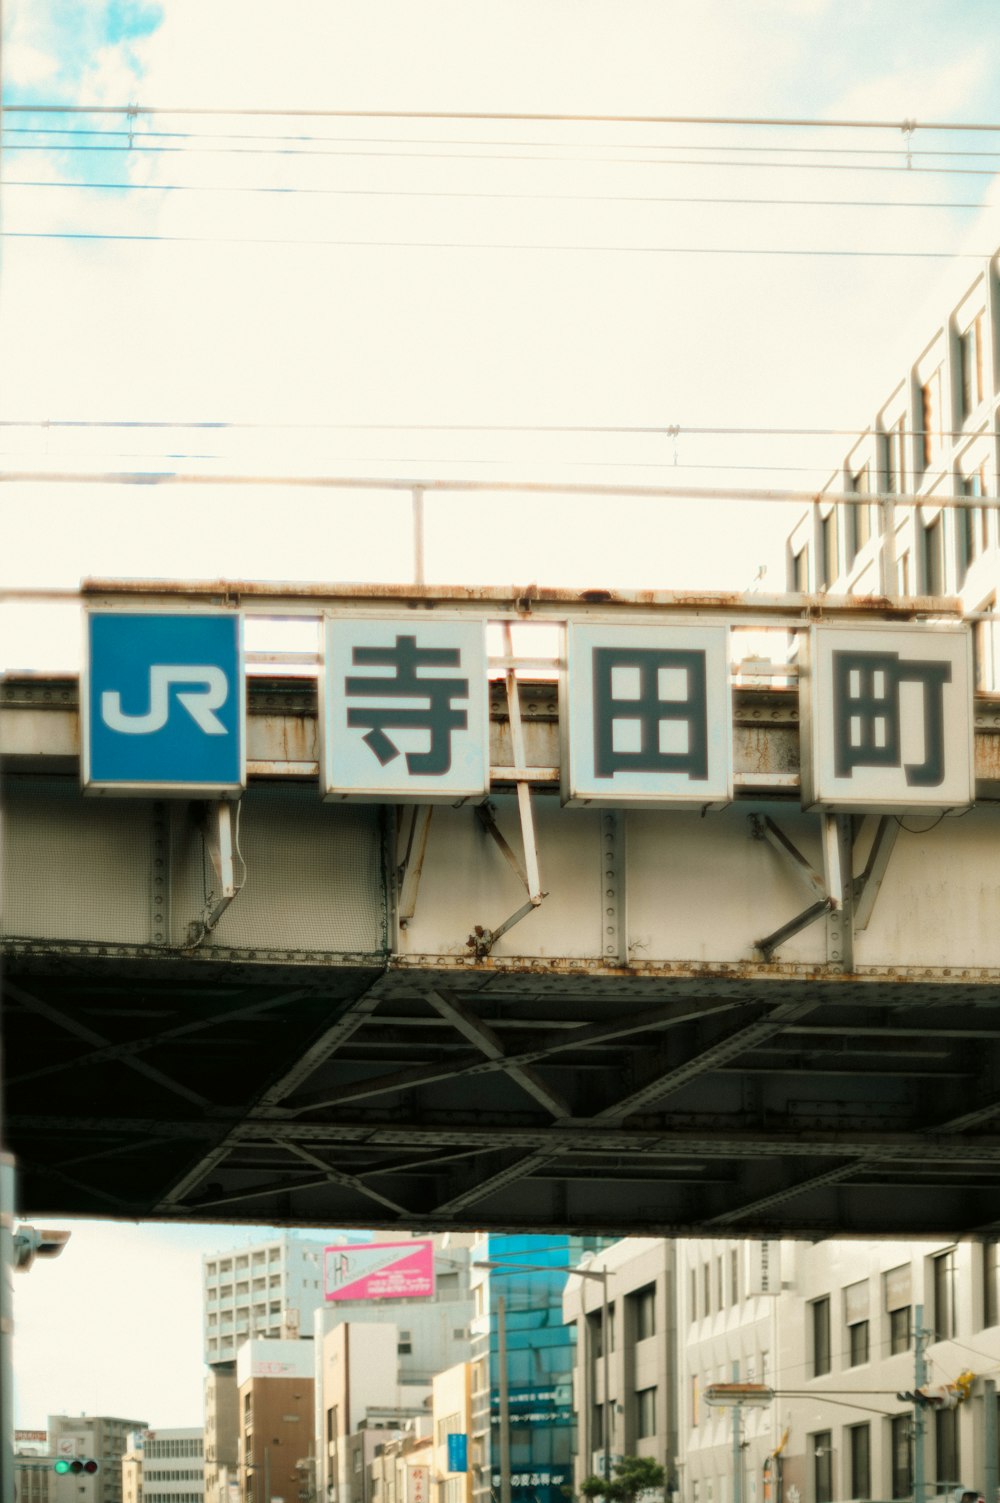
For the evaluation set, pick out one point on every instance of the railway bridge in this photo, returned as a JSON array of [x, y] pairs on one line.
[[523, 910]]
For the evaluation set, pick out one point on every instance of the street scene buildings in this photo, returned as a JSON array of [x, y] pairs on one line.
[[865, 1370]]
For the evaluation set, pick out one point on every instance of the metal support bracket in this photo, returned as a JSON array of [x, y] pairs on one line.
[[838, 846], [410, 869], [159, 883], [482, 939], [219, 822], [833, 893], [614, 921], [866, 887]]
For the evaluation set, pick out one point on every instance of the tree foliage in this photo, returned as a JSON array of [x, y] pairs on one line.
[[630, 1477]]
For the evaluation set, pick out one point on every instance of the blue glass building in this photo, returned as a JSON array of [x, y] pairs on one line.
[[540, 1358]]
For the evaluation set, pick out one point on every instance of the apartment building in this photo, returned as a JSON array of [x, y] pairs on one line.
[[105, 1439], [933, 440], [451, 1406], [625, 1375], [275, 1391], [268, 1290], [271, 1289]]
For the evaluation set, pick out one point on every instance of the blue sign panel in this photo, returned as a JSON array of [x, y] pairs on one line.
[[458, 1452], [163, 704]]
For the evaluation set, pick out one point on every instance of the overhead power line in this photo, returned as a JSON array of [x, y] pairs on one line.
[[663, 430], [500, 245], [134, 111], [132, 136], [597, 198], [124, 149]]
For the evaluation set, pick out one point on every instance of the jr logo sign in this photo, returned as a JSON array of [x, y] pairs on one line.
[[201, 704], [164, 704]]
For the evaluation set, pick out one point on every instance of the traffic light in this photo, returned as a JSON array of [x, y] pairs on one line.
[[76, 1465]]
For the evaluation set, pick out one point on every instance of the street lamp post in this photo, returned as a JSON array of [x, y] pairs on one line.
[[584, 1273]]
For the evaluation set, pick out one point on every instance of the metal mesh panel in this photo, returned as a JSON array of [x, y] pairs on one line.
[[74, 868], [313, 876]]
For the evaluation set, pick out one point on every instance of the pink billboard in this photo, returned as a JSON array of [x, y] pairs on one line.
[[379, 1270]]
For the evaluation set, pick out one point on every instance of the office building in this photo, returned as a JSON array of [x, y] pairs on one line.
[[171, 1467], [405, 1341], [932, 440], [523, 1288]]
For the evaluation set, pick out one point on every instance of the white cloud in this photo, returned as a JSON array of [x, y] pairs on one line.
[[26, 66]]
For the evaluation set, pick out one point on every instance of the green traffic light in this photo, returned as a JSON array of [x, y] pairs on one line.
[[62, 1467]]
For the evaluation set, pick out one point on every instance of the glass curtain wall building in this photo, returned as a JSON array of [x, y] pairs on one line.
[[539, 1365]]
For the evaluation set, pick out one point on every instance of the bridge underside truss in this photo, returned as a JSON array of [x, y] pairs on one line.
[[503, 1096]]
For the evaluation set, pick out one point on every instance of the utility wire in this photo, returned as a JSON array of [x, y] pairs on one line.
[[469, 156], [679, 430], [486, 245], [133, 111], [597, 198], [507, 156], [177, 135]]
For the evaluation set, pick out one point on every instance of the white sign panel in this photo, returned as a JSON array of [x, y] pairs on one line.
[[406, 710], [646, 716], [887, 719], [418, 1483], [763, 1267]]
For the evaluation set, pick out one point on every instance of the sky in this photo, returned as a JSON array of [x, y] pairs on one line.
[[393, 293], [113, 1325], [406, 292]]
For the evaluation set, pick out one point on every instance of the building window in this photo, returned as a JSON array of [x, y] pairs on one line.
[[706, 1281], [972, 526], [828, 538], [930, 404], [901, 1480], [821, 1336], [694, 1294], [822, 1449], [644, 1304], [933, 549], [859, 518], [734, 1277], [900, 1330], [646, 1418], [694, 1399], [946, 1451], [970, 357], [858, 1348], [800, 571], [991, 1284], [860, 1448], [856, 1317], [944, 1299], [895, 458]]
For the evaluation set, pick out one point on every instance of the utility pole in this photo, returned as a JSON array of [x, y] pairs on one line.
[[737, 1444], [920, 1339], [990, 1441], [504, 1400]]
